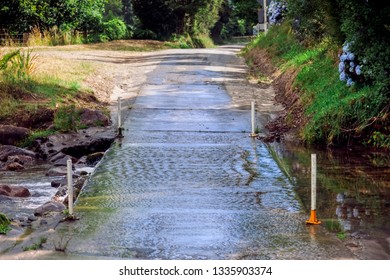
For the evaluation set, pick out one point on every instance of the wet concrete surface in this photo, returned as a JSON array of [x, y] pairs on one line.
[[187, 181]]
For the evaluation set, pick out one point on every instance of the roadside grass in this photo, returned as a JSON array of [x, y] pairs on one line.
[[43, 83], [36, 246], [118, 45], [35, 135], [333, 112], [4, 224], [50, 82], [334, 226]]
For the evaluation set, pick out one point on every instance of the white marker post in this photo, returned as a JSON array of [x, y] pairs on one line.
[[313, 213], [120, 118], [265, 16], [253, 133], [70, 186]]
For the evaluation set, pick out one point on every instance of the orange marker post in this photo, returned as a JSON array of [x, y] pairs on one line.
[[313, 213]]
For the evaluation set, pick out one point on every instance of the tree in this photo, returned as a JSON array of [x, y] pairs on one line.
[[128, 13], [165, 17], [23, 15]]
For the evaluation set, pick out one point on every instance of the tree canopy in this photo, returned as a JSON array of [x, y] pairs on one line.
[[24, 15]]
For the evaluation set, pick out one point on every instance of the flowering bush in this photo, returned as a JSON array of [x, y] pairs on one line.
[[349, 68], [277, 11]]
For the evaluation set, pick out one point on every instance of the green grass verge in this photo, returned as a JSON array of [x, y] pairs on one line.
[[333, 112]]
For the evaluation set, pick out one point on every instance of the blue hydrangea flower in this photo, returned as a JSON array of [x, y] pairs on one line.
[[346, 47], [341, 67], [352, 64], [343, 77], [350, 56], [358, 70], [350, 82], [276, 11], [343, 57]]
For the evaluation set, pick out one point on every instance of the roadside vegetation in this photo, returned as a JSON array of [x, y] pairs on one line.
[[331, 67], [34, 90], [4, 224]]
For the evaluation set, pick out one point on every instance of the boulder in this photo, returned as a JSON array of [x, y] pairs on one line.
[[22, 159], [11, 135], [94, 158], [14, 166], [64, 161], [58, 183], [57, 156], [92, 146], [57, 171], [8, 150], [14, 191], [90, 117], [50, 206]]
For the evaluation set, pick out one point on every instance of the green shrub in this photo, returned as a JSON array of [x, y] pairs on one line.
[[314, 20], [35, 135], [114, 29], [67, 118], [366, 26]]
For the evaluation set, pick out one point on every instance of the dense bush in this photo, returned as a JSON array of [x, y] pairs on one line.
[[114, 29], [314, 20], [366, 25]]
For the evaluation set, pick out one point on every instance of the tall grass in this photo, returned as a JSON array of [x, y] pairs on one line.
[[54, 37]]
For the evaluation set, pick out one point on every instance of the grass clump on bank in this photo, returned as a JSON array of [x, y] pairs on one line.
[[4, 224], [324, 109]]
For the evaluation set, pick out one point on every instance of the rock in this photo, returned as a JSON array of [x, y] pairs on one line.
[[57, 156], [82, 160], [22, 159], [14, 191], [90, 117], [94, 158], [58, 183], [64, 161], [50, 206], [14, 166], [32, 218], [7, 151], [93, 146], [11, 135], [57, 171]]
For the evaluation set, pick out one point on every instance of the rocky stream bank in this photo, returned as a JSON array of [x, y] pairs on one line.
[[85, 148]]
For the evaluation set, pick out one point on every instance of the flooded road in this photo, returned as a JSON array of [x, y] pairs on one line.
[[187, 181], [353, 193]]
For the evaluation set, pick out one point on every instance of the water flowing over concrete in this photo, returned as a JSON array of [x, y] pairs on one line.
[[187, 181]]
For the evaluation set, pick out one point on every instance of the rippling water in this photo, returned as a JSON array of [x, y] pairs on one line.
[[36, 182]]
